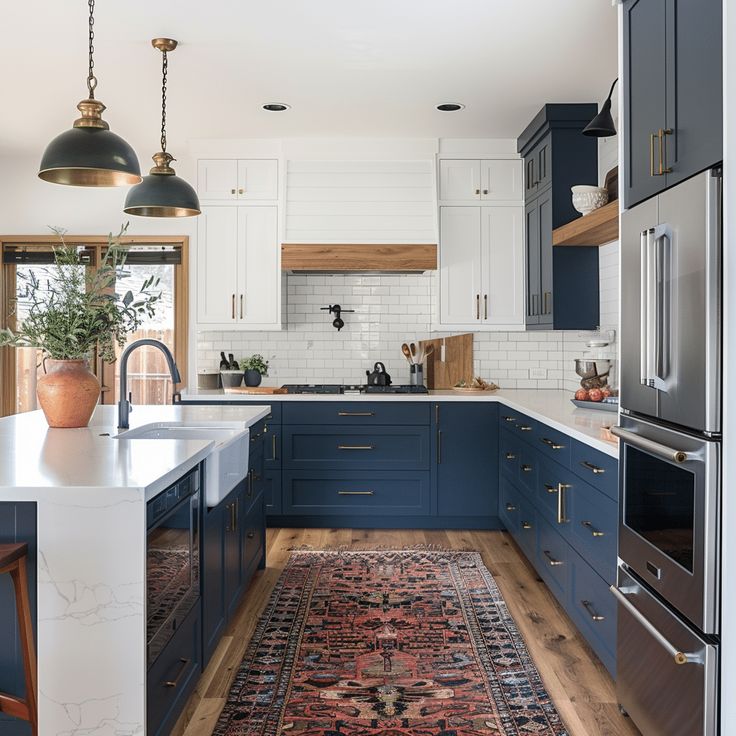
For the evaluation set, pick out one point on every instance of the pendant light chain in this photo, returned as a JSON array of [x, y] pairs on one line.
[[165, 69], [91, 78]]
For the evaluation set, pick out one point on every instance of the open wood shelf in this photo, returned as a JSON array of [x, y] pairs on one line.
[[597, 228]]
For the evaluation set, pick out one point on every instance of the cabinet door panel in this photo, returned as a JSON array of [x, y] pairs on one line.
[[533, 264], [217, 179], [694, 87], [217, 265], [502, 180], [258, 265], [460, 265], [502, 254], [546, 297], [257, 179], [459, 179], [645, 87]]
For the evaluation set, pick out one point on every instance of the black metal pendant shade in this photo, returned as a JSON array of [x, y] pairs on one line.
[[602, 125], [162, 195]]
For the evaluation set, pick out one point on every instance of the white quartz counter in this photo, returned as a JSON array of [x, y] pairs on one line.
[[550, 406]]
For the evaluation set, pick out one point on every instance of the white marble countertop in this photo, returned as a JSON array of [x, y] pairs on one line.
[[550, 406], [41, 463]]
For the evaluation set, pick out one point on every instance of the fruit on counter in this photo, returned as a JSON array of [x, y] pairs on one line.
[[478, 384], [582, 394], [606, 392], [595, 394]]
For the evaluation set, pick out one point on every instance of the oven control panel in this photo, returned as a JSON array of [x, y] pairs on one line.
[[166, 500]]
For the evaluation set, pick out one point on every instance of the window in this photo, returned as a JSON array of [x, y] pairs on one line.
[[149, 380]]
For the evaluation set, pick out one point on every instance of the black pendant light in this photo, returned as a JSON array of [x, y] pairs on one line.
[[602, 126], [90, 155], [162, 193]]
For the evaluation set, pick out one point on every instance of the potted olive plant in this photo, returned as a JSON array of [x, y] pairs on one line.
[[255, 368], [74, 312]]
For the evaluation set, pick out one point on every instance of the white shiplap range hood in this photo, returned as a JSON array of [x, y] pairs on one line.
[[359, 217]]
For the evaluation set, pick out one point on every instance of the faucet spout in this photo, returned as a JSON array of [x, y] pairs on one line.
[[124, 405]]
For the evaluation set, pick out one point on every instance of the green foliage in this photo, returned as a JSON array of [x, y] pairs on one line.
[[77, 309], [255, 363]]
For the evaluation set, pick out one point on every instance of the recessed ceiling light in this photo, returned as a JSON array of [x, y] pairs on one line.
[[450, 107], [276, 106]]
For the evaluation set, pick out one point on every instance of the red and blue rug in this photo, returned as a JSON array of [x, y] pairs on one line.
[[387, 643]]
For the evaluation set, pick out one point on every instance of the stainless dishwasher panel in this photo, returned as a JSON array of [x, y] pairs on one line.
[[667, 675]]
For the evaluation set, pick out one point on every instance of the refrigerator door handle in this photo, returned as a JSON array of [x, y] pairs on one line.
[[648, 329], [662, 248], [643, 310]]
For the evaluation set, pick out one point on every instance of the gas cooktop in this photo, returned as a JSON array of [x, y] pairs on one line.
[[336, 388]]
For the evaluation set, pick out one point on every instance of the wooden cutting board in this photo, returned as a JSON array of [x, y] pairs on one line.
[[256, 390], [458, 363]]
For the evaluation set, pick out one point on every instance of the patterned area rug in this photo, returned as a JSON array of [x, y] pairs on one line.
[[387, 643]]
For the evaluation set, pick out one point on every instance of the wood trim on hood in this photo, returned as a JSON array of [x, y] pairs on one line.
[[337, 257]]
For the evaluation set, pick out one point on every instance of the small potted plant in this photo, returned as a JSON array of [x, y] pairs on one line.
[[255, 368], [73, 313]]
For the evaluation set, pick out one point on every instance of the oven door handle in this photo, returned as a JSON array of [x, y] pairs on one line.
[[673, 651], [661, 451]]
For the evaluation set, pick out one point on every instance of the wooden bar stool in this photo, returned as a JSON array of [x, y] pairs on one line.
[[13, 561]]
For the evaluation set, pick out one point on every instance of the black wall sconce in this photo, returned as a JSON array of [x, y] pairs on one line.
[[337, 310]]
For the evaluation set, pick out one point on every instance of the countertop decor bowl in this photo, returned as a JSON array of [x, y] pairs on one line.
[[592, 367], [231, 379], [586, 198]]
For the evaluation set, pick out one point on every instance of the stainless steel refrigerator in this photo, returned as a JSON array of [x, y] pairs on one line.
[[670, 455]]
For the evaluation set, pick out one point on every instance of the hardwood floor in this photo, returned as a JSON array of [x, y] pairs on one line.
[[579, 684]]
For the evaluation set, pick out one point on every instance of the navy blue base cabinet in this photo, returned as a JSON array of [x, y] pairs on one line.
[[17, 524]]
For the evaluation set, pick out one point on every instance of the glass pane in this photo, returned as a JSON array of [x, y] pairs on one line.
[[660, 505], [148, 374]]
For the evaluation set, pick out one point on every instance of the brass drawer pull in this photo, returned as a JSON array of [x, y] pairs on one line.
[[594, 532], [355, 447], [477, 306], [477, 191], [552, 561], [591, 611], [561, 488], [595, 469], [232, 191], [355, 493], [526, 525], [663, 168], [551, 444], [652, 136], [233, 307], [527, 468], [175, 682], [250, 535], [273, 447], [509, 419], [356, 413], [510, 456], [525, 428], [485, 306], [510, 507], [551, 489], [241, 306]]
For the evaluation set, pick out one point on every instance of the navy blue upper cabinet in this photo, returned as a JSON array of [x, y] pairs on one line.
[[466, 458], [673, 89], [556, 157]]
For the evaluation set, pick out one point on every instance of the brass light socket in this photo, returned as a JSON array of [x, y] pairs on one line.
[[91, 115], [164, 44], [162, 161]]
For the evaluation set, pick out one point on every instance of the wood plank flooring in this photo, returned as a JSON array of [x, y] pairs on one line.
[[579, 684]]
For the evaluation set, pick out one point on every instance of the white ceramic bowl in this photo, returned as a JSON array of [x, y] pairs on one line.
[[585, 198]]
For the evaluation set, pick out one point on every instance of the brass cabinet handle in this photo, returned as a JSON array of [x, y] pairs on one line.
[[228, 519], [241, 191], [551, 444], [436, 413], [477, 306], [233, 307], [355, 493], [510, 507], [250, 482], [356, 447], [526, 525], [356, 413], [591, 611], [439, 446], [545, 303], [234, 512], [525, 428], [595, 469], [527, 468], [477, 191], [273, 447], [552, 561], [652, 136], [485, 191], [594, 532], [175, 682], [232, 191], [250, 535], [561, 488], [241, 306], [551, 489], [509, 419], [510, 456], [663, 168], [485, 306]]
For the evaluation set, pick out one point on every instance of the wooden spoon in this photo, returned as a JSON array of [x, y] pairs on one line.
[[407, 352]]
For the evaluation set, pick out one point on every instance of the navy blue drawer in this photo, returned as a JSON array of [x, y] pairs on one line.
[[528, 469], [508, 509], [274, 416], [597, 468], [351, 413], [556, 445], [553, 560], [594, 529], [366, 448], [329, 492], [519, 424], [528, 528], [592, 607], [254, 535], [509, 451]]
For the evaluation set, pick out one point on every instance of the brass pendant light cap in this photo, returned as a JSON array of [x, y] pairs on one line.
[[162, 161], [164, 44], [91, 115]]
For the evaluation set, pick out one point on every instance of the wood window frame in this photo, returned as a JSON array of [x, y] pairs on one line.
[[8, 286]]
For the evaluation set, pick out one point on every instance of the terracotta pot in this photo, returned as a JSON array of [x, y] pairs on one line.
[[68, 393]]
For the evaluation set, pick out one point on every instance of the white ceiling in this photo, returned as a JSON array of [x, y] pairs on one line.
[[347, 68]]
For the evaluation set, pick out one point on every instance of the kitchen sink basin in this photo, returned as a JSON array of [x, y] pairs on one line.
[[224, 467]]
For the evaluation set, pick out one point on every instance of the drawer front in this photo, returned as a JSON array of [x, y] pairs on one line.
[[508, 508], [597, 468], [352, 413], [528, 528], [554, 444], [173, 675], [274, 416], [509, 453], [593, 609], [594, 529], [330, 492], [254, 531], [518, 424], [367, 448], [528, 469], [553, 560]]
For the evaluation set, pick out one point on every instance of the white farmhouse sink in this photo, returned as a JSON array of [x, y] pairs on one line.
[[224, 467]]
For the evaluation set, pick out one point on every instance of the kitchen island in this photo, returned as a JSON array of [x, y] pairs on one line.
[[90, 492]]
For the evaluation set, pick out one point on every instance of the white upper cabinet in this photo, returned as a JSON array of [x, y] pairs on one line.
[[481, 180], [240, 179], [238, 276]]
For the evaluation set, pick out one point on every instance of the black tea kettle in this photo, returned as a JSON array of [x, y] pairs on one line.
[[379, 377]]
